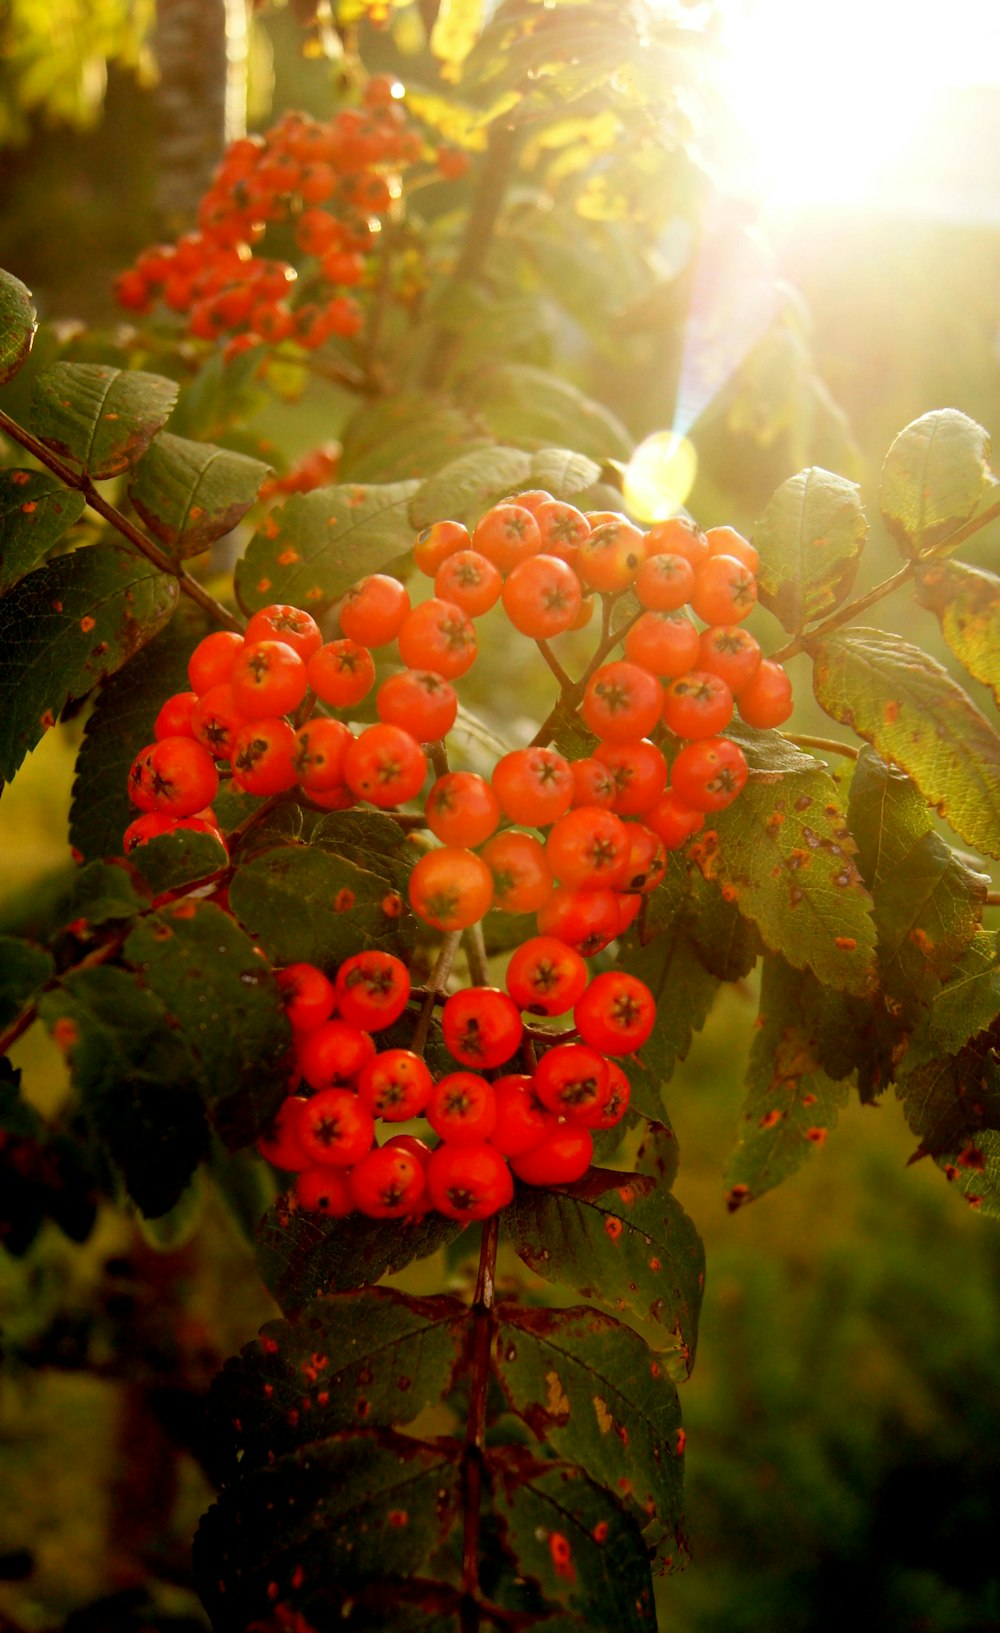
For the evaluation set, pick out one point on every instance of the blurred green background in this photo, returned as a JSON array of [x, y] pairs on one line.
[[843, 1418]]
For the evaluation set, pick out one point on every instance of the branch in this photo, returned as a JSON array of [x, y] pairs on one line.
[[437, 981], [480, 1348], [81, 482]]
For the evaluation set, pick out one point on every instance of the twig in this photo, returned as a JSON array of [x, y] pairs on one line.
[[843, 615], [480, 1348], [436, 983], [828, 745], [553, 663], [475, 951]]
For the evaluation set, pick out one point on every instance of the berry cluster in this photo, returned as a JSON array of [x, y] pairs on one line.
[[327, 186], [535, 1124], [580, 844]]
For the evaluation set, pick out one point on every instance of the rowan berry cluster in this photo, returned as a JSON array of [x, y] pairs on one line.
[[328, 185], [580, 844]]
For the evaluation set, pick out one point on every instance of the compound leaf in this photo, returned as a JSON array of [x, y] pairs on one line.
[[966, 602], [100, 417], [810, 539], [684, 991], [909, 708], [303, 903], [300, 1255], [468, 486], [36, 509], [191, 493], [934, 476], [967, 1004]]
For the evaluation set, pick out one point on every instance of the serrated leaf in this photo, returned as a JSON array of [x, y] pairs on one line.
[[968, 1003], [303, 1535], [564, 474], [190, 493], [405, 437], [658, 1154], [619, 1240], [576, 1543], [909, 708], [523, 405], [952, 1104], [810, 539], [300, 1255], [467, 487], [370, 1359], [136, 1080], [684, 991], [119, 725], [591, 1389], [791, 1103], [35, 511], [370, 839], [175, 860], [928, 900], [100, 417], [727, 943], [783, 853], [934, 476], [316, 544], [103, 891], [64, 628], [303, 903], [18, 322], [966, 602], [24, 970], [221, 993]]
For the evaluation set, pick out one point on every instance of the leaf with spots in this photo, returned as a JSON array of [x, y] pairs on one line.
[[791, 1102], [311, 548], [783, 853], [966, 602], [303, 903], [302, 1536], [575, 1542], [592, 1390], [36, 509], [221, 993], [191, 493], [952, 1104], [371, 840], [365, 1359], [468, 486], [301, 1255], [65, 627], [728, 944], [909, 708], [18, 322], [621, 1240], [967, 1004], [118, 726], [100, 417], [103, 891], [684, 991], [178, 860], [810, 540], [24, 969], [933, 479], [138, 1083], [928, 900]]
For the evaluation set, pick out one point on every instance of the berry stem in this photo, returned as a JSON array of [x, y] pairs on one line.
[[81, 482], [553, 662], [828, 745], [436, 983], [475, 951], [480, 1349]]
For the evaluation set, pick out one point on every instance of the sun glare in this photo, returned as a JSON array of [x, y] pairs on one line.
[[825, 101]]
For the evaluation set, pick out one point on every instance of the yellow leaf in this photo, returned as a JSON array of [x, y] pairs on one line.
[[456, 30]]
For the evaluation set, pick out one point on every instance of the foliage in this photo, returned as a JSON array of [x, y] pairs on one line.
[[388, 1457]]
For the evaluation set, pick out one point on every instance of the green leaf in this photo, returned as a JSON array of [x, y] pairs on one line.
[[966, 1005], [791, 1103], [300, 1255], [365, 1359], [220, 992], [727, 943], [35, 511], [315, 545], [190, 493], [405, 437], [564, 474], [100, 417], [575, 1542], [303, 903], [18, 322], [783, 853], [24, 969], [810, 539], [684, 991], [305, 1534], [909, 708], [966, 602], [64, 628], [466, 488], [592, 1390], [934, 476], [619, 1240], [136, 1079], [119, 725], [952, 1104], [523, 405], [928, 900], [175, 860], [371, 840], [103, 891]]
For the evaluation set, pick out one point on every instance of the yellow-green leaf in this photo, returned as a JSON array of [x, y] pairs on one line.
[[934, 476]]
